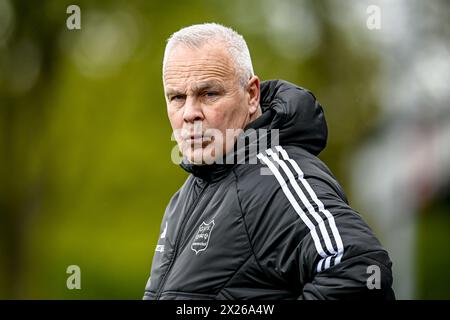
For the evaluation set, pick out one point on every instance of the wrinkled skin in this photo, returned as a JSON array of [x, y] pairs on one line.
[[205, 98]]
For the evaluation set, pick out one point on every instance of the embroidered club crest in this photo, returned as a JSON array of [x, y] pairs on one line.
[[201, 239]]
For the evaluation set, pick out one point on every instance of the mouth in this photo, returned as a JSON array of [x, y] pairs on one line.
[[198, 140]]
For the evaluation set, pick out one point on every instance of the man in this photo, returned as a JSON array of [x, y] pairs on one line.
[[271, 225]]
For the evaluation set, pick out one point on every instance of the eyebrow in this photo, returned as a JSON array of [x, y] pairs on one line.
[[197, 87], [202, 86]]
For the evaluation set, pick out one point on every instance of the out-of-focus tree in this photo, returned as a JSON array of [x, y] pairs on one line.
[[85, 144]]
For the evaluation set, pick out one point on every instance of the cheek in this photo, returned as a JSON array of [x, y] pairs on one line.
[[227, 115], [175, 118], [235, 116]]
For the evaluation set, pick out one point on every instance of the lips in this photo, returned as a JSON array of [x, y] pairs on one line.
[[197, 139]]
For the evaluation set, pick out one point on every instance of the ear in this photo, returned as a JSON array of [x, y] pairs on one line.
[[253, 91]]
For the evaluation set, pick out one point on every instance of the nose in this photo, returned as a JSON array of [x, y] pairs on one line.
[[192, 110]]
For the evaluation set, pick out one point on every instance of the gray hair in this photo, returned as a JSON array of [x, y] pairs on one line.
[[197, 35]]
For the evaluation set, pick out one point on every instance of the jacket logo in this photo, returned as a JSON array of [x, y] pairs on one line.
[[201, 239]]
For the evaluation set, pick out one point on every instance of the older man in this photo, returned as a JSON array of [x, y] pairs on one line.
[[233, 230]]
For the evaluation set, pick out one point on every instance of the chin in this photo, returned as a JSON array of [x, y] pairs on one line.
[[201, 156]]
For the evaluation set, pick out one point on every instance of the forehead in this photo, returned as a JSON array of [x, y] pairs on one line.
[[185, 67]]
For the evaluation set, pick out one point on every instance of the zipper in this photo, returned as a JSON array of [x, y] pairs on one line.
[[177, 242]]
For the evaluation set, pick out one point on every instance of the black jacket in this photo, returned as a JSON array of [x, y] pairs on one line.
[[236, 232]]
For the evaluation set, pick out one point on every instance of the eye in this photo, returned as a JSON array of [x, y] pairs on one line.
[[177, 98], [211, 94]]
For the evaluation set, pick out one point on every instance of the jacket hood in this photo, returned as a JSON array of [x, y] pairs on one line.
[[290, 109], [295, 112]]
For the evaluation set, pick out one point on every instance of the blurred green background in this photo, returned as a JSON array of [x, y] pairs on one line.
[[85, 169]]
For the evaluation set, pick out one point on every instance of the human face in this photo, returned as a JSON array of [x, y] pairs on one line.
[[205, 98]]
